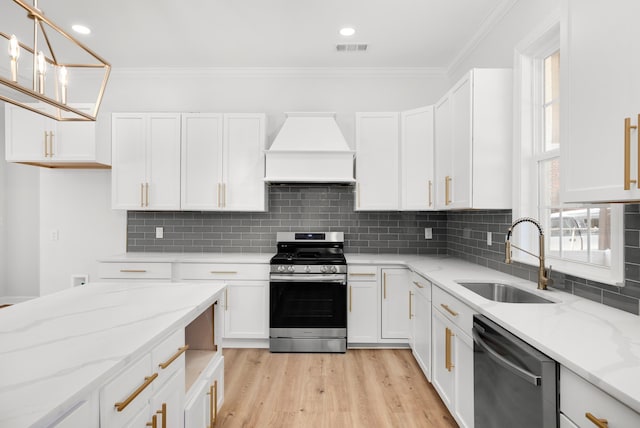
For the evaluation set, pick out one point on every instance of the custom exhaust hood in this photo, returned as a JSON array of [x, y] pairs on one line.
[[309, 148]]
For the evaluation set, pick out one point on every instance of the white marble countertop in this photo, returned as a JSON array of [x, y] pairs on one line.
[[56, 349], [254, 258]]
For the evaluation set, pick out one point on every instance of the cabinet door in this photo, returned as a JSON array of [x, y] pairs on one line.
[[421, 331], [128, 139], [395, 304], [24, 134], [377, 181], [443, 344], [362, 320], [463, 378], [417, 159], [443, 152], [244, 145], [201, 161], [600, 88], [163, 162], [168, 402], [196, 410], [73, 140], [461, 119], [247, 310]]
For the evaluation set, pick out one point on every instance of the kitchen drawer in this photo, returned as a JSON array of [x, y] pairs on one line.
[[452, 308], [223, 271], [362, 273], [135, 270], [579, 397], [168, 357], [122, 387], [422, 285]]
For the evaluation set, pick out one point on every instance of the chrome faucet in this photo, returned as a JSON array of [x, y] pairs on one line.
[[544, 276]]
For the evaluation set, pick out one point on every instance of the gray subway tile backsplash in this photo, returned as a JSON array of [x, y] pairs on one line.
[[330, 207]]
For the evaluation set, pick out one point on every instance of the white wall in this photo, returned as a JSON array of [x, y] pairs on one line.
[[3, 229]]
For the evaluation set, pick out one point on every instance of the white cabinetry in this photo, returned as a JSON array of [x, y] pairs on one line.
[[453, 355], [362, 318], [223, 162], [395, 304], [583, 404], [473, 142], [420, 306], [600, 89], [34, 139], [85, 414], [417, 165], [146, 161], [201, 410], [377, 178]]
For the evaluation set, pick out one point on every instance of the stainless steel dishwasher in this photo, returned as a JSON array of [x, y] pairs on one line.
[[515, 385]]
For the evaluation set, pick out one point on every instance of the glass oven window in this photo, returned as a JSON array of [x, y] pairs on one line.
[[308, 305]]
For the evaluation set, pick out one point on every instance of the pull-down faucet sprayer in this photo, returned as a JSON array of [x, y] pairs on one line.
[[544, 276]]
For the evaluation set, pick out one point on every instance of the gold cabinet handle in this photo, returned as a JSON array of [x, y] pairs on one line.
[[417, 284], [223, 272], [362, 274], [410, 309], [226, 299], [448, 364], [213, 402], [627, 153], [600, 423], [448, 309], [350, 296], [51, 144], [46, 144], [153, 423], [132, 270], [147, 194], [447, 190], [141, 195], [384, 285], [430, 193], [120, 406], [163, 412], [181, 351]]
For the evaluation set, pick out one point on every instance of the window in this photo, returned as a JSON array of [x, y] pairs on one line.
[[581, 240]]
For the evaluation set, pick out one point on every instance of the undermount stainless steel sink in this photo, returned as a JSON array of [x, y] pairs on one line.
[[504, 293]]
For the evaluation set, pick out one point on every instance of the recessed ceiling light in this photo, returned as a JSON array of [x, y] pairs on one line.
[[81, 29], [347, 31]]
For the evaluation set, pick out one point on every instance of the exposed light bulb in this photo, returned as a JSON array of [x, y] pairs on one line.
[[41, 65], [347, 31], [81, 29], [14, 47], [63, 78]]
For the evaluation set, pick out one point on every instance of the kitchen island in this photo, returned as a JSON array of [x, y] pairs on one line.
[[58, 352]]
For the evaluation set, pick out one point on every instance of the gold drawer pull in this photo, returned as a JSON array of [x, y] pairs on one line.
[[418, 284], [627, 153], [223, 272], [213, 402], [132, 270], [448, 364], [362, 274], [600, 423], [448, 309], [447, 190], [153, 423], [147, 381], [163, 412], [181, 351]]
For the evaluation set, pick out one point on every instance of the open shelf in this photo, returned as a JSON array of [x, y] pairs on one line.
[[202, 337]]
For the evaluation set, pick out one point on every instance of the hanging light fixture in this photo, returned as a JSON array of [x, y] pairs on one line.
[[57, 76]]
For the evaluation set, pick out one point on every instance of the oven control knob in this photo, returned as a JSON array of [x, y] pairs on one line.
[[281, 268], [307, 269], [291, 269], [323, 269], [333, 269]]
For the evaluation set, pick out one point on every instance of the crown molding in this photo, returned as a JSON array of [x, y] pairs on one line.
[[275, 72], [487, 25]]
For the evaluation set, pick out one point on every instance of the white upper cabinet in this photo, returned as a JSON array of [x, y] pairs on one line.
[[35, 139], [223, 162], [377, 178], [473, 135], [416, 152], [146, 161], [599, 74]]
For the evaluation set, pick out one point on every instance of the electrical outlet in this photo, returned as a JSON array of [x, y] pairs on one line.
[[159, 232], [489, 239], [55, 234], [428, 233]]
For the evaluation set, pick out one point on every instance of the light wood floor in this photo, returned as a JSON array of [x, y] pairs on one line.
[[362, 388]]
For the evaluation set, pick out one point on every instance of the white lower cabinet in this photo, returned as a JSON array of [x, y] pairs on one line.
[[395, 304], [362, 317], [167, 404], [420, 306], [452, 355], [585, 405], [246, 314], [201, 409]]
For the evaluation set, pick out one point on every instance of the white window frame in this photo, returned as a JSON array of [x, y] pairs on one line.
[[528, 77]]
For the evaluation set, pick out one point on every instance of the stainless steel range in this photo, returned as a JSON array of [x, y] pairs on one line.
[[308, 293]]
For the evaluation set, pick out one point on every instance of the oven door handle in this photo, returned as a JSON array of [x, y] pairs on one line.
[[518, 371], [308, 278]]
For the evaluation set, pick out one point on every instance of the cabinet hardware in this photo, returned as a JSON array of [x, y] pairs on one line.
[[448, 309], [223, 272], [181, 351], [153, 423], [430, 190], [51, 144], [132, 270], [147, 194], [213, 402], [410, 296], [362, 274], [350, 296], [447, 190], [142, 195], [448, 364], [600, 423], [627, 153], [120, 406], [226, 299], [163, 412], [46, 144], [384, 285], [418, 284]]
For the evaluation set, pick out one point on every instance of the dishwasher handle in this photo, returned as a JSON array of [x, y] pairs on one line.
[[518, 371]]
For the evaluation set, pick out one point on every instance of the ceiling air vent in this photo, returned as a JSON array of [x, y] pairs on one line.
[[351, 47]]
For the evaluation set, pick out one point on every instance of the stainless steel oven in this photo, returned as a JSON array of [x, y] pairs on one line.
[[308, 294]]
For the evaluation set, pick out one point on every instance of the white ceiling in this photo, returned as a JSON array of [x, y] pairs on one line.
[[274, 33]]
